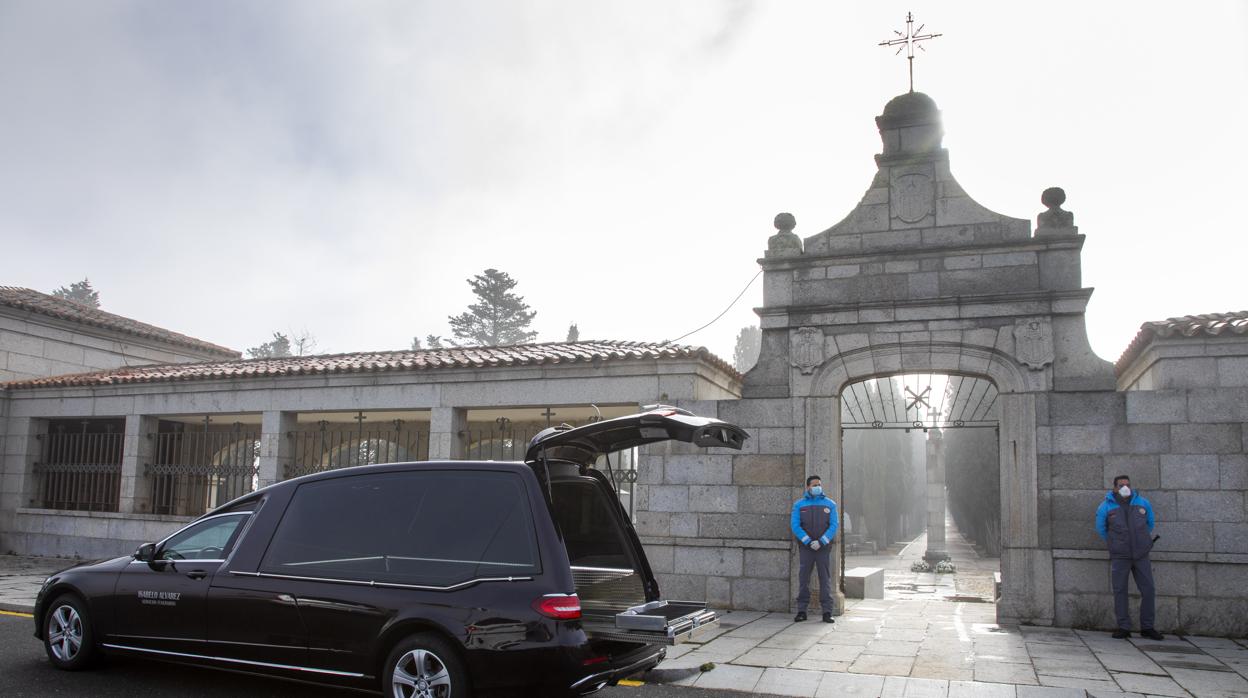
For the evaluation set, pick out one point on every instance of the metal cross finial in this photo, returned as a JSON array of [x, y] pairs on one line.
[[909, 41], [919, 398]]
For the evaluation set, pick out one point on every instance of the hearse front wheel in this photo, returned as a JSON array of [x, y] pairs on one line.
[[425, 666], [68, 637]]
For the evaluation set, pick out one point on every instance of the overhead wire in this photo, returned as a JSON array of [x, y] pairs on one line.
[[717, 317]]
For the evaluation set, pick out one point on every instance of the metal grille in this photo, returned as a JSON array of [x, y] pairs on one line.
[[500, 440], [919, 401], [80, 471], [333, 446], [504, 440], [192, 472]]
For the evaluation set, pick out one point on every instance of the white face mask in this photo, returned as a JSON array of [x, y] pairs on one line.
[[1124, 491]]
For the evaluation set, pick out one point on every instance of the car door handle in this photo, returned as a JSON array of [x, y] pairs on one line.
[[197, 574]]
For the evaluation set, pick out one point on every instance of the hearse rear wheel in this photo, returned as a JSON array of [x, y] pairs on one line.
[[68, 637], [425, 666]]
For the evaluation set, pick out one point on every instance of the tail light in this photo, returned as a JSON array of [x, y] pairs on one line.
[[559, 606]]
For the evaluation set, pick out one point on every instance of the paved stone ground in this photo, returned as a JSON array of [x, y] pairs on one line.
[[932, 636], [921, 640]]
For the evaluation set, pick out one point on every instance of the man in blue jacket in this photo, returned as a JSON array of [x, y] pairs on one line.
[[1125, 522], [814, 522]]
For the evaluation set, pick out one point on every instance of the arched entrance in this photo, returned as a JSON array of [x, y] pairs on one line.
[[1026, 569], [920, 485]]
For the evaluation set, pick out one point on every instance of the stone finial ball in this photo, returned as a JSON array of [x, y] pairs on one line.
[[785, 222], [1053, 197]]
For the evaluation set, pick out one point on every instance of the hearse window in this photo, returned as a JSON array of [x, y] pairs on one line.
[[591, 531], [207, 540], [432, 528]]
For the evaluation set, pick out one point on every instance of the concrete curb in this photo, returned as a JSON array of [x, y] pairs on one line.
[[16, 608]]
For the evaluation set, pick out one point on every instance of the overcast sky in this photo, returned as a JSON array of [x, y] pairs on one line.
[[227, 169]]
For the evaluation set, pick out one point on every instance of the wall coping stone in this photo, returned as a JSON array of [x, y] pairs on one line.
[[163, 518], [1082, 295], [927, 251]]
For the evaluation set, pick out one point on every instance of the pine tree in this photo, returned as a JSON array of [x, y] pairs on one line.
[[79, 292], [498, 317], [574, 334], [279, 347]]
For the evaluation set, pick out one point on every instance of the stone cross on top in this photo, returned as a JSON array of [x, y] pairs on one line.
[[909, 41]]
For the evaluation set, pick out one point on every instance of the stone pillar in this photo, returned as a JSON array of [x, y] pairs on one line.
[[277, 449], [136, 454], [1026, 568], [935, 498], [21, 452], [448, 433]]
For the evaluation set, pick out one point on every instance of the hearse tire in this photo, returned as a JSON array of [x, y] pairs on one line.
[[68, 635], [425, 666]]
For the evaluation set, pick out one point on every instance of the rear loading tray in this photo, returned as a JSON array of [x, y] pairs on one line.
[[661, 622]]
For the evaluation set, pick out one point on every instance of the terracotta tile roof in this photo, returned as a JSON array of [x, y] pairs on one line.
[[44, 304], [1208, 325], [380, 362]]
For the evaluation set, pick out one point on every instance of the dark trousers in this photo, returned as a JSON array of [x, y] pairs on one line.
[[1142, 570], [821, 560]]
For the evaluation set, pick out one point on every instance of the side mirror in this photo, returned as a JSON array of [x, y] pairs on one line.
[[146, 552]]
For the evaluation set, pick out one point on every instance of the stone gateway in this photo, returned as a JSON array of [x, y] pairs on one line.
[[921, 279]]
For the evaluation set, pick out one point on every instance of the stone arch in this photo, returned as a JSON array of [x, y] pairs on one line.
[[894, 358], [1026, 570]]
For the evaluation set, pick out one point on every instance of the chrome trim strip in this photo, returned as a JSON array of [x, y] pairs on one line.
[[181, 559], [388, 585], [269, 665], [414, 559]]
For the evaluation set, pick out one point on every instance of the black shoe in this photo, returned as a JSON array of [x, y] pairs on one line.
[[801, 616], [1122, 634], [1152, 634], [827, 618]]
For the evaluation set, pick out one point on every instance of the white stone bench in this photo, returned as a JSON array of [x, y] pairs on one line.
[[864, 583]]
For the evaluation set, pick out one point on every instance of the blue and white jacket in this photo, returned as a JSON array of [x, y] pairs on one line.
[[1128, 530], [814, 517]]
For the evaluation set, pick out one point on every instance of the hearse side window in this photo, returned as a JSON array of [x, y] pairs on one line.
[[592, 534], [210, 539], [427, 528]]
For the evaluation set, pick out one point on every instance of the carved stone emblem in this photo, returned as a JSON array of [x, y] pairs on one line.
[[913, 197], [807, 349], [1033, 343]]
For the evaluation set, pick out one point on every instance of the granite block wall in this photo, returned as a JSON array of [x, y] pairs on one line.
[[1184, 450], [715, 522]]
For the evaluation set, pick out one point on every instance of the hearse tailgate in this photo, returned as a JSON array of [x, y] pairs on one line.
[[657, 622]]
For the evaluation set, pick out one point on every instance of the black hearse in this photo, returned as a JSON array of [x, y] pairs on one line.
[[418, 579]]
